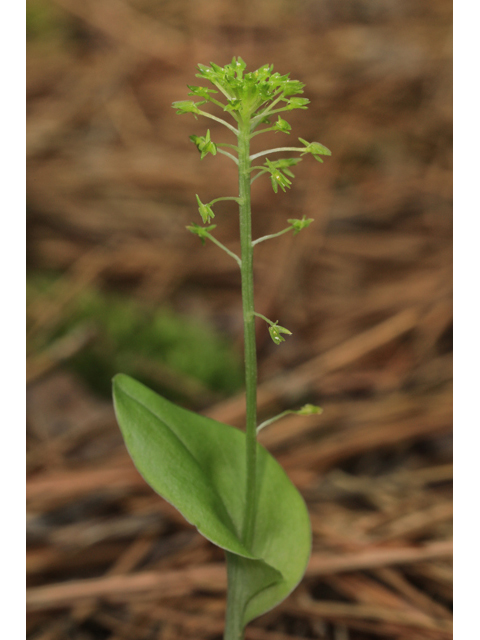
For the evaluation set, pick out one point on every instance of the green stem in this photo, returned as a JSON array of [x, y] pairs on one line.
[[225, 124], [263, 131], [271, 113], [262, 171], [277, 150], [236, 198], [236, 593], [222, 246], [270, 236], [274, 419], [259, 315], [266, 112], [235, 599], [225, 144], [229, 155], [249, 328]]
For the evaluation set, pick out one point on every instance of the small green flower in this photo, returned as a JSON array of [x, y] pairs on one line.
[[206, 72], [233, 105], [298, 225], [309, 410], [276, 331], [292, 87], [316, 149], [204, 144], [279, 180], [186, 106], [282, 125], [238, 66], [203, 92], [205, 210], [297, 103], [201, 232], [284, 164], [279, 170]]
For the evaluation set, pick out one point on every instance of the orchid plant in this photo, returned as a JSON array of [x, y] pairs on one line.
[[219, 477]]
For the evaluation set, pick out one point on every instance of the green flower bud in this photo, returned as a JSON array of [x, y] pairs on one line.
[[185, 106], [203, 92], [291, 87], [233, 105], [201, 232], [282, 125], [238, 65], [298, 225], [204, 144], [276, 331], [316, 149], [297, 103], [205, 210], [309, 410], [278, 174]]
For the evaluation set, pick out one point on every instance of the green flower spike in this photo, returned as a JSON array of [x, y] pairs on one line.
[[276, 331], [316, 149], [298, 225], [201, 232], [205, 210], [204, 144]]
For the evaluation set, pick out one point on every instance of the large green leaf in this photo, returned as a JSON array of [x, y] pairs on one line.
[[198, 464]]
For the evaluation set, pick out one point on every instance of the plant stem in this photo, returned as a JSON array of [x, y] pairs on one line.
[[277, 150], [274, 419], [249, 328], [212, 117], [272, 235], [235, 595], [222, 246], [234, 614], [229, 155], [225, 198]]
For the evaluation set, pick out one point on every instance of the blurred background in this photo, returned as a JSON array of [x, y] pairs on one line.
[[116, 283]]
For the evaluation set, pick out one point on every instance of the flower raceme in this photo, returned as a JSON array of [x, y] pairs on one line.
[[252, 98]]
